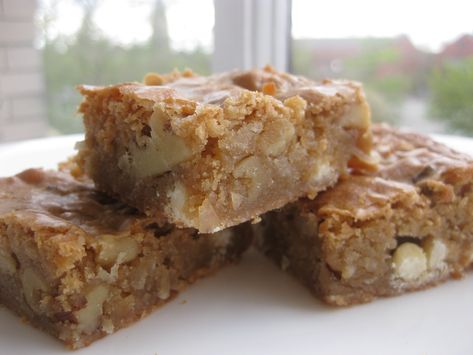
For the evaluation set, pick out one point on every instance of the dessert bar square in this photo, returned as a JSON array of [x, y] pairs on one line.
[[212, 152], [80, 265], [406, 227]]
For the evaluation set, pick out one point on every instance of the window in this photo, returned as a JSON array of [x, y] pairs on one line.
[[414, 59], [105, 42]]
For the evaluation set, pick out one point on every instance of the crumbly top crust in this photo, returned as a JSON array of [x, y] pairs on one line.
[[197, 108], [411, 157], [55, 201], [215, 89], [413, 169]]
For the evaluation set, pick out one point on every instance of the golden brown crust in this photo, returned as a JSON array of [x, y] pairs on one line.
[[81, 265], [411, 157], [405, 227], [197, 151], [408, 164]]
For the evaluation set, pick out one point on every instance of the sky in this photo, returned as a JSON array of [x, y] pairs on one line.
[[190, 22], [429, 24]]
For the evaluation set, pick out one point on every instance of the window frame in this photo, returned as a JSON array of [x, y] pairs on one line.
[[250, 34]]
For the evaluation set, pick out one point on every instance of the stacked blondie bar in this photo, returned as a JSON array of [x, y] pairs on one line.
[[173, 170]]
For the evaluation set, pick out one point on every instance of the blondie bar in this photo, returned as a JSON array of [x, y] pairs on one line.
[[212, 152], [406, 227], [80, 265]]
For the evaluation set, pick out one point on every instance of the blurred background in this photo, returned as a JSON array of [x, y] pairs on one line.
[[415, 60]]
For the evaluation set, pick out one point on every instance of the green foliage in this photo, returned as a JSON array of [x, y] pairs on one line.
[[374, 53], [367, 67], [89, 57], [451, 89], [384, 91], [382, 109], [393, 87], [302, 59]]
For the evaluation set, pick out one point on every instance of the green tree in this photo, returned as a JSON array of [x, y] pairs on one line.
[[451, 87], [302, 59], [385, 91], [88, 56]]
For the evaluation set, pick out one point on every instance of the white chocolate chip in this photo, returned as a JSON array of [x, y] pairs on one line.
[[33, 284], [348, 271], [322, 172], [88, 317], [409, 261], [178, 198], [436, 252]]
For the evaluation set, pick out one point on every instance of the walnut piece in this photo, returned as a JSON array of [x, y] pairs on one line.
[[7, 263], [116, 250], [88, 318], [156, 154], [276, 137], [251, 168], [33, 287]]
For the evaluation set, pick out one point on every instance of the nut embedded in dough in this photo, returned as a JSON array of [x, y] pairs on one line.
[[409, 261]]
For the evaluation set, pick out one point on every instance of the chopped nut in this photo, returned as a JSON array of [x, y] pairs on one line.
[[209, 221], [298, 107], [140, 273], [116, 250], [256, 220], [276, 137], [162, 150], [107, 326], [178, 199], [409, 261], [356, 116], [88, 317], [7, 263], [436, 252], [236, 200], [252, 168], [248, 167], [164, 290], [33, 286]]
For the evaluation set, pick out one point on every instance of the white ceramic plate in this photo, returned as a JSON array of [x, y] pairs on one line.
[[254, 308]]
